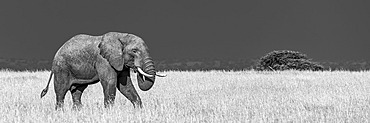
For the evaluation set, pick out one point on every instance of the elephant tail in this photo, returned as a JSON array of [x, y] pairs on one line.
[[47, 86]]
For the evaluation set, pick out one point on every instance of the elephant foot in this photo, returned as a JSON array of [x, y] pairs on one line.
[[77, 107], [108, 103], [59, 106]]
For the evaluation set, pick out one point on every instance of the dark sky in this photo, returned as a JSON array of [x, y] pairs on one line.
[[322, 29]]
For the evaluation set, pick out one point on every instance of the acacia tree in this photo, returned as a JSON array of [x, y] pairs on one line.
[[286, 60]]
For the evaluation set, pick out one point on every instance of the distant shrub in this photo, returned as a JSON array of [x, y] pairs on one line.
[[286, 60]]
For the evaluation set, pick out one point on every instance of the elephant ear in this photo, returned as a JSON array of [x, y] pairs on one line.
[[111, 49]]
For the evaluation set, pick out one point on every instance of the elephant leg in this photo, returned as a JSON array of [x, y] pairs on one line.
[[125, 86], [108, 79], [76, 91], [61, 86], [109, 91]]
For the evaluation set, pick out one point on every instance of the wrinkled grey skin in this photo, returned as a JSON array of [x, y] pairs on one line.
[[85, 60]]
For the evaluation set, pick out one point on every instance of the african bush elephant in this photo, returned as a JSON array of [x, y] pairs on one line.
[[85, 60]]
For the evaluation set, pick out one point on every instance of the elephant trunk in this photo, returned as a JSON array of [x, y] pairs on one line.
[[145, 82]]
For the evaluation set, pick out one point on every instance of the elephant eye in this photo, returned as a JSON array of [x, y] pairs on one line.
[[134, 50]]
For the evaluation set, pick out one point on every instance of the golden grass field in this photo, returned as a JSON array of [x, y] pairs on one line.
[[212, 96]]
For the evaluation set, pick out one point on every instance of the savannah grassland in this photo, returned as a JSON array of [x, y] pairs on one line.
[[212, 96]]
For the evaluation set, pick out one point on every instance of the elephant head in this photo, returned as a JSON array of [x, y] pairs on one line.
[[127, 50]]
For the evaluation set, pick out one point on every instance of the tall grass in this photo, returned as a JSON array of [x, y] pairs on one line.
[[212, 96]]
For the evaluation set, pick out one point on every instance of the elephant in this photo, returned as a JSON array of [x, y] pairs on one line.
[[108, 59]]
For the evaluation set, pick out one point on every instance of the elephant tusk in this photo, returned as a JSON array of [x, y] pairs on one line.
[[148, 75], [161, 75], [142, 72]]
